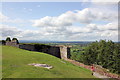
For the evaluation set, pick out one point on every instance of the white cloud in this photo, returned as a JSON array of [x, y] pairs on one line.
[[6, 30], [62, 26], [87, 33], [76, 30], [85, 16], [12, 31], [7, 19], [104, 0], [100, 0], [3, 17], [109, 26]]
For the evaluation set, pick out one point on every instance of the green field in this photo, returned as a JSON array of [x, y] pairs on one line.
[[15, 65]]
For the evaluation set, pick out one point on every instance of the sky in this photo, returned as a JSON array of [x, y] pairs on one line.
[[59, 21]]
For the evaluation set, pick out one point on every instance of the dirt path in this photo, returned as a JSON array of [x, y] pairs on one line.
[[99, 75], [78, 64], [96, 74]]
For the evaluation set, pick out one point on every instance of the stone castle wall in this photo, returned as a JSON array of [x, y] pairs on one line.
[[52, 50], [12, 43], [61, 51], [27, 47], [64, 51]]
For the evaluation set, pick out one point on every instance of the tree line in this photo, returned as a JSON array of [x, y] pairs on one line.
[[9, 39], [104, 53]]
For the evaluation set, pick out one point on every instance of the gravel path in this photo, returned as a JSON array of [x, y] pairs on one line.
[[99, 75]]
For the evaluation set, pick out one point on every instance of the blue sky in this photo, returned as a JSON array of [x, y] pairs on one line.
[[35, 10], [39, 9], [66, 21]]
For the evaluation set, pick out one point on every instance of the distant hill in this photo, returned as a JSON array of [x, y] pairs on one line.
[[32, 41], [15, 65]]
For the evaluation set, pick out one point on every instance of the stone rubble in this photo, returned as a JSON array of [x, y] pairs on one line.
[[41, 65]]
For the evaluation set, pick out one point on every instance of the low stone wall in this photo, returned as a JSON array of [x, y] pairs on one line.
[[97, 69], [12, 44], [62, 52], [102, 71], [27, 47], [52, 50], [55, 51]]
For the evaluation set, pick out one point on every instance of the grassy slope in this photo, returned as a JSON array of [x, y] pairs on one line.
[[15, 65]]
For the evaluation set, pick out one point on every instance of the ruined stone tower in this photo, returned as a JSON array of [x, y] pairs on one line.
[[60, 51], [64, 51], [12, 43]]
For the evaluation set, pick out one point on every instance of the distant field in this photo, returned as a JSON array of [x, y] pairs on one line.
[[15, 65]]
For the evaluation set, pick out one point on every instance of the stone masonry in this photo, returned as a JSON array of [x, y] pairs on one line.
[[64, 51], [59, 51], [12, 43]]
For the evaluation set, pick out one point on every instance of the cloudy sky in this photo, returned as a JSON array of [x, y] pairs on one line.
[[59, 21]]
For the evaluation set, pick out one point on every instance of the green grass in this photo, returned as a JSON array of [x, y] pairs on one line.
[[15, 65]]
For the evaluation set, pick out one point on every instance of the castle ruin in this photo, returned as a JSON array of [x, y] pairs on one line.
[[59, 51], [12, 43]]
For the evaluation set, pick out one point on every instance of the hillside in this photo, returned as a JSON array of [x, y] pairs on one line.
[[15, 65]]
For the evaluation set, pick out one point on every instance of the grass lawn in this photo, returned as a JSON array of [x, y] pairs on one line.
[[15, 65]]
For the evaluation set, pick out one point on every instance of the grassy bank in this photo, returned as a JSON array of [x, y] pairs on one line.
[[15, 65]]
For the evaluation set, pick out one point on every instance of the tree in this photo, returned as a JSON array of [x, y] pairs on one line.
[[8, 39], [104, 53], [16, 40], [3, 42]]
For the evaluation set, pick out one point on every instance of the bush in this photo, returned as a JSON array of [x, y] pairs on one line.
[[16, 40], [104, 53], [8, 39]]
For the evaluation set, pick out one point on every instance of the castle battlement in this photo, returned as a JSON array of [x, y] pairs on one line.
[[12, 43], [60, 51]]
